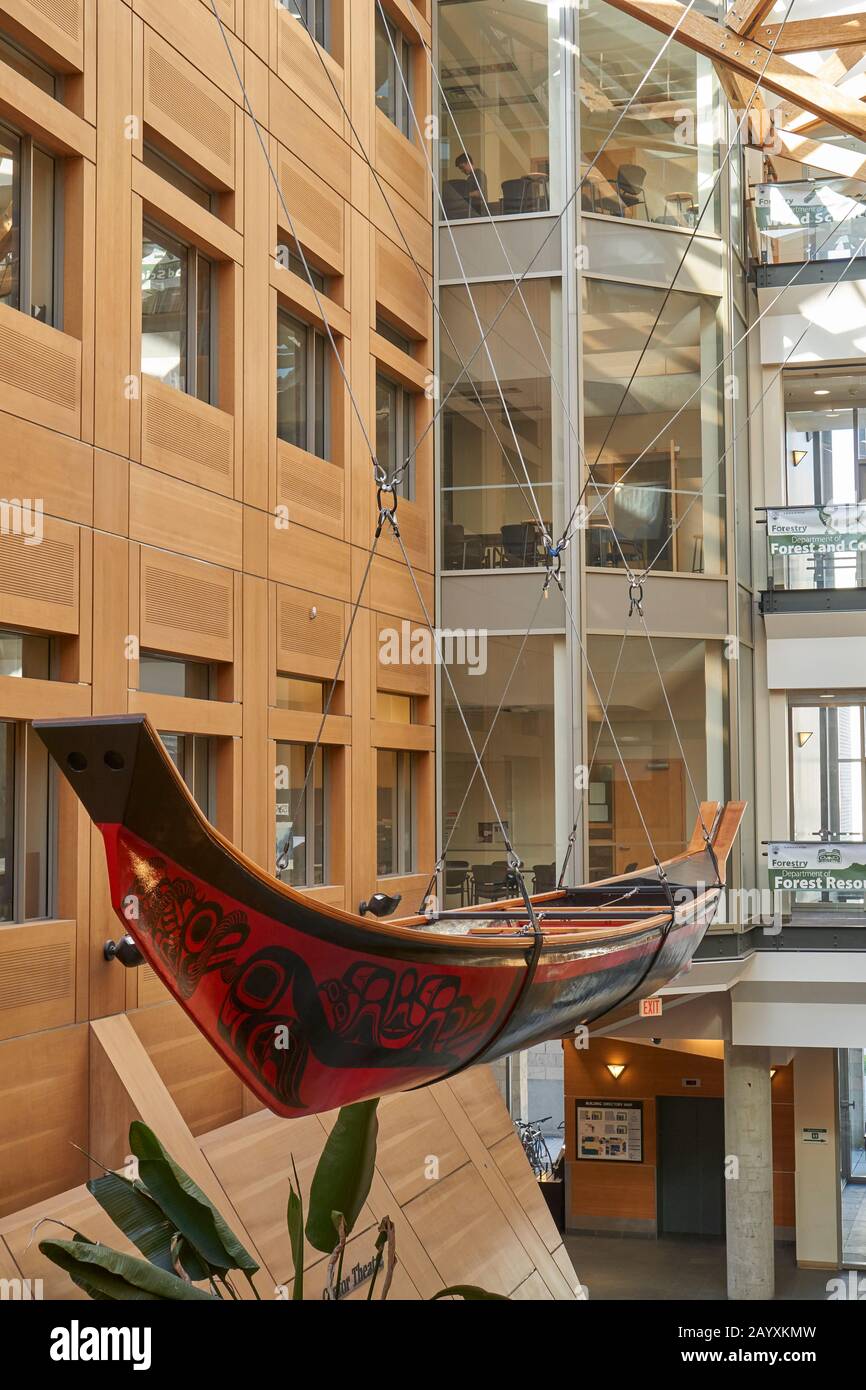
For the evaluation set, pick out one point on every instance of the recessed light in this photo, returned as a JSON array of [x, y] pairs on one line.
[[822, 393]]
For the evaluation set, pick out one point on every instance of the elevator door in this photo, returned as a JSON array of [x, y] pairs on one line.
[[691, 1156]]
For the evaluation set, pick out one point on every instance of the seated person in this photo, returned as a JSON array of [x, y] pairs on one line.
[[475, 183]]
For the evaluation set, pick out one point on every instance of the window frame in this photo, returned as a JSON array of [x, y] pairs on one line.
[[191, 752], [315, 342], [404, 433], [149, 654], [405, 829], [309, 810], [319, 26], [399, 59], [152, 231], [23, 740], [27, 145]]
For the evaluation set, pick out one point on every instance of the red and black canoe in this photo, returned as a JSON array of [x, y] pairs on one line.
[[315, 1007]]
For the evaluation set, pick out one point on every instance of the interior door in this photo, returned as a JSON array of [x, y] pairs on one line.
[[690, 1157]]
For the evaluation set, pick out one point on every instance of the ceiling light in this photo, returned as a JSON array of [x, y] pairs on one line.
[[616, 1069], [822, 393]]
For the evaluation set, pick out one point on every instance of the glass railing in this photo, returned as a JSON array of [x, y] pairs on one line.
[[809, 220], [817, 547]]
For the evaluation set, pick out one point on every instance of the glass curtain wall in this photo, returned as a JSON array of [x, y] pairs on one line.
[[520, 762], [696, 679], [497, 106], [648, 486], [659, 164], [489, 463]]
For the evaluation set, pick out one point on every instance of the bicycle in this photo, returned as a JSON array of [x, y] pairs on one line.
[[535, 1146]]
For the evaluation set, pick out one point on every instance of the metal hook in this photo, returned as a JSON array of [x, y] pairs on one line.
[[635, 595]]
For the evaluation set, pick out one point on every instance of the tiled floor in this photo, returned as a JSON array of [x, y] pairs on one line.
[[854, 1222], [622, 1267]]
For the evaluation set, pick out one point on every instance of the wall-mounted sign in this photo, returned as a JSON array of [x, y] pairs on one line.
[[817, 530], [650, 1008], [610, 1129], [814, 1136], [814, 866], [783, 208]]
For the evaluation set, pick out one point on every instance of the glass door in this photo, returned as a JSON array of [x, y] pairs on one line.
[[828, 780], [852, 1155]]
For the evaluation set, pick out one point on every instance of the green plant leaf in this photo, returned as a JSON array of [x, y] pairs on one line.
[[470, 1293], [111, 1275], [344, 1173], [184, 1203], [138, 1217]]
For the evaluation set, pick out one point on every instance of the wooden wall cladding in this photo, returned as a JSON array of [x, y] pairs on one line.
[[56, 25], [404, 677], [157, 515], [307, 645], [40, 372], [37, 977], [398, 288], [185, 437], [183, 107], [43, 1101], [318, 213], [302, 70], [402, 165], [311, 488], [39, 582], [186, 606]]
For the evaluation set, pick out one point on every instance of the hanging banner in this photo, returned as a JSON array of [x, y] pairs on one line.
[[783, 208], [817, 530], [817, 867]]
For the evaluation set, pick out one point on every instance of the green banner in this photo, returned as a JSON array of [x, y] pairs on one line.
[[782, 208], [817, 530], [817, 867]]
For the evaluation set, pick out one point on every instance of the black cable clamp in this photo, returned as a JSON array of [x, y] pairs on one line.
[[635, 595]]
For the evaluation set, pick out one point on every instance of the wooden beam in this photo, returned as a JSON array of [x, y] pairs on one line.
[[744, 15], [846, 164], [749, 60], [809, 35], [792, 117]]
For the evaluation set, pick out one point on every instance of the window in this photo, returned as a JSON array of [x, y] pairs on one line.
[[172, 675], [656, 444], [177, 315], [395, 818], [302, 388], [296, 265], [193, 756], [25, 654], [178, 178], [495, 118], [301, 843], [395, 431], [654, 162], [28, 227], [25, 794], [489, 521], [393, 335], [393, 74], [22, 62], [298, 693], [315, 15], [394, 709]]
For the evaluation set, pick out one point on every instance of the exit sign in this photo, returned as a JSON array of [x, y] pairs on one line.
[[650, 1008]]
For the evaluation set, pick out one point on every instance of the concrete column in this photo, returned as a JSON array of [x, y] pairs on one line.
[[749, 1180]]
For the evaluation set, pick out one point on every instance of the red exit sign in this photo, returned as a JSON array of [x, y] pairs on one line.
[[650, 1008]]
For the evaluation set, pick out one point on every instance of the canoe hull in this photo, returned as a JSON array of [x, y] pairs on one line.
[[314, 1007]]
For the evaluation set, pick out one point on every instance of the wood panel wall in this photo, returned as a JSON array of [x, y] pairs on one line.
[[450, 1173], [161, 512], [612, 1195]]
